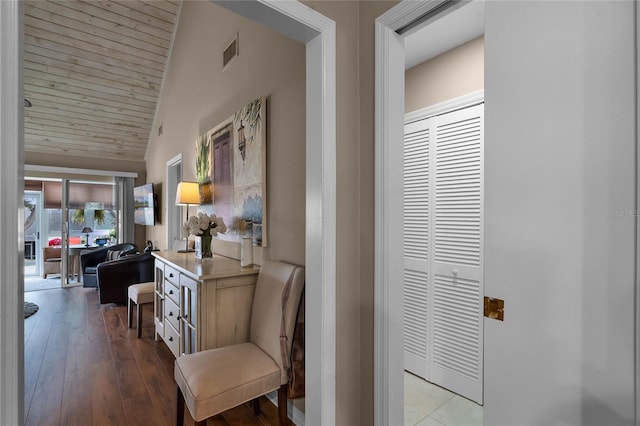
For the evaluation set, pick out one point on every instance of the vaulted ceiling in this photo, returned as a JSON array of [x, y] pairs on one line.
[[93, 72]]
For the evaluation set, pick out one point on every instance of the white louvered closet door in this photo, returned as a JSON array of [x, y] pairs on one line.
[[416, 247], [457, 291], [448, 290]]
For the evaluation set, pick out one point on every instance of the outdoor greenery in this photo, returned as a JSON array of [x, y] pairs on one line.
[[78, 216]]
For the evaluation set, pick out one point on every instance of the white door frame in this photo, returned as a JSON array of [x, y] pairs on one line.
[[290, 18], [12, 190], [170, 194], [389, 229], [317, 32], [388, 260], [389, 130]]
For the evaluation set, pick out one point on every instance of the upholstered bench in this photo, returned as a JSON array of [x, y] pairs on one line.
[[139, 294]]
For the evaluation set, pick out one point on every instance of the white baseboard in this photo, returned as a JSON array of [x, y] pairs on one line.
[[296, 416]]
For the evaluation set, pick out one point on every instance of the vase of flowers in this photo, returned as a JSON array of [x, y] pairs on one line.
[[204, 227]]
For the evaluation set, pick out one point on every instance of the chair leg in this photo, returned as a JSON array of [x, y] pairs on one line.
[[129, 313], [180, 408], [139, 319], [256, 406], [282, 406]]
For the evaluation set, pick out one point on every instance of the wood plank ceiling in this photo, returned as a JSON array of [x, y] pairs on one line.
[[93, 72]]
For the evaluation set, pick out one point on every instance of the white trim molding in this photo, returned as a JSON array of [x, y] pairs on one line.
[[637, 224], [296, 416], [454, 104], [72, 171], [318, 33], [388, 306], [11, 214]]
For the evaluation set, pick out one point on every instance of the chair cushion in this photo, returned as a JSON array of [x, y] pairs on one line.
[[142, 293], [216, 380]]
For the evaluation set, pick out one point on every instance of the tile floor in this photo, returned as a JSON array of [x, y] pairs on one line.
[[426, 404]]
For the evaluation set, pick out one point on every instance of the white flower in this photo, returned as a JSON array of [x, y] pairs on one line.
[[198, 225], [185, 229]]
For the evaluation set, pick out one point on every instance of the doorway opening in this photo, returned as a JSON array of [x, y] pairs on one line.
[[421, 46], [174, 212], [63, 219], [32, 225]]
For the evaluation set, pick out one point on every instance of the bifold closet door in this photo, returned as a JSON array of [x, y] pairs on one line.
[[443, 249], [416, 247], [457, 290]]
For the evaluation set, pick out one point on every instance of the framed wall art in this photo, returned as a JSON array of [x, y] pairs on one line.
[[231, 168]]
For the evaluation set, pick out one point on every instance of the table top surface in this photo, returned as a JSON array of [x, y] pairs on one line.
[[218, 267]]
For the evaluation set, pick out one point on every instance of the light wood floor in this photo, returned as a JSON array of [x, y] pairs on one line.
[[83, 366]]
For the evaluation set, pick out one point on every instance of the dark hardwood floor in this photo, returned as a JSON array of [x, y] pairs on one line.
[[83, 366]]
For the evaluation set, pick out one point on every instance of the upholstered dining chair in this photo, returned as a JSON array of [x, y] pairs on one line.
[[215, 380], [52, 258]]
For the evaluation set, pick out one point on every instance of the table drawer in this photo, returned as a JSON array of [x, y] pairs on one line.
[[172, 292], [171, 313], [172, 275], [171, 339]]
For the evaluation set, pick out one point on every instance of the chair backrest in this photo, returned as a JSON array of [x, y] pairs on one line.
[[266, 312], [124, 248], [51, 253]]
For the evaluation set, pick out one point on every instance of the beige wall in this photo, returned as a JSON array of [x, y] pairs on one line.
[[197, 95], [454, 73]]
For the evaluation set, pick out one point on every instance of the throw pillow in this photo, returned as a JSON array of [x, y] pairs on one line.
[[113, 254]]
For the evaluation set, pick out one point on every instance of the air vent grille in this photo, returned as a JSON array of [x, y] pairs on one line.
[[230, 53]]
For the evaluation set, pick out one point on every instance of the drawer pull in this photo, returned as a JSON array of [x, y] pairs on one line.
[[170, 291], [170, 314], [170, 275], [171, 338]]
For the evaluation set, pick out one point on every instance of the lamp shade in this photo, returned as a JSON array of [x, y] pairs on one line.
[[187, 193], [86, 230]]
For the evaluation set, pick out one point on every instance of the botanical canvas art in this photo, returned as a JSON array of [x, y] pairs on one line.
[[231, 170]]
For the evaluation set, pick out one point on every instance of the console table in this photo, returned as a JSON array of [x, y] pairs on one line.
[[201, 306]]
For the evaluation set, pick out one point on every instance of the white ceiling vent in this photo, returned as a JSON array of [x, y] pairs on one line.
[[230, 53]]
